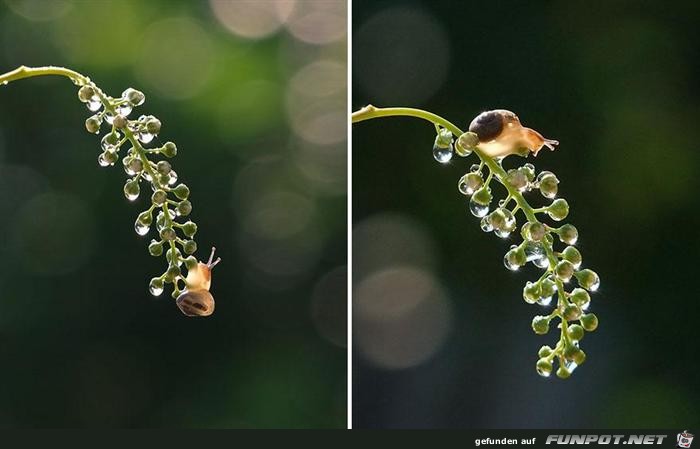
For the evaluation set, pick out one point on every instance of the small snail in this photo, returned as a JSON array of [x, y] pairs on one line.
[[500, 134], [196, 300]]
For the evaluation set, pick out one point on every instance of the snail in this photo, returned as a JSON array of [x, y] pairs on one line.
[[500, 134], [196, 300]]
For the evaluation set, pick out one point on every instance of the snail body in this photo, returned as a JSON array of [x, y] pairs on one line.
[[501, 134], [196, 300]]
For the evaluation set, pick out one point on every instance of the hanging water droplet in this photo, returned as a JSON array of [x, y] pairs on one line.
[[469, 183], [541, 262], [502, 233], [102, 161], [140, 228], [172, 178], [477, 209], [109, 117], [533, 250], [570, 365], [110, 142], [475, 168], [544, 301], [510, 263], [94, 104], [155, 287], [145, 136], [124, 109], [486, 225], [443, 154]]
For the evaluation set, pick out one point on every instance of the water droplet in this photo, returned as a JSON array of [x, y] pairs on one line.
[[172, 178], [145, 136], [110, 142], [502, 233], [124, 109], [512, 266], [544, 301], [94, 104], [541, 262], [475, 168], [533, 250], [594, 286], [102, 161], [140, 228], [155, 290], [570, 365], [477, 209], [486, 225], [109, 117], [443, 154], [543, 373]]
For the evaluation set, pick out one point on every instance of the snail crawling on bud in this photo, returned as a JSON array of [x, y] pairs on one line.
[[196, 300], [501, 134]]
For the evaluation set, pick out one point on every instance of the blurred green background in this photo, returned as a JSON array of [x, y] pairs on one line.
[[254, 95], [442, 336]]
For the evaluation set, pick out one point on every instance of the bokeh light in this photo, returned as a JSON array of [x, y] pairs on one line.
[[250, 18]]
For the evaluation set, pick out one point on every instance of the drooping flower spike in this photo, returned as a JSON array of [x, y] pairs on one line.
[[494, 135]]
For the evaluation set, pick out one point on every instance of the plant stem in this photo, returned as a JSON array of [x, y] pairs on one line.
[[371, 112], [22, 72]]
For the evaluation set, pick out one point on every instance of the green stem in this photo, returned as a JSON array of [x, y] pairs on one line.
[[22, 72]]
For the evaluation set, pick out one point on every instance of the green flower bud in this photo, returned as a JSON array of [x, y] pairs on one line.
[[182, 191], [483, 196], [133, 96], [168, 234], [145, 218], [93, 123], [545, 351], [163, 167], [470, 183], [184, 208], [189, 229], [580, 297], [568, 234], [190, 247], [467, 141], [547, 287], [517, 179], [558, 210], [169, 149], [564, 270], [190, 263], [531, 292], [563, 373], [155, 248], [85, 93], [119, 122], [172, 273], [153, 125], [159, 197], [173, 255], [544, 367], [548, 184], [589, 322], [574, 354], [108, 157], [573, 255], [588, 279], [571, 312], [515, 258], [575, 332], [132, 189], [540, 324], [534, 231], [529, 171]]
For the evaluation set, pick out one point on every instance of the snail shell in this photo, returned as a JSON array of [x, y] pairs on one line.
[[501, 134], [196, 302]]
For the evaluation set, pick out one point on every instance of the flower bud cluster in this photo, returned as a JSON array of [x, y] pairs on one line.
[[169, 199]]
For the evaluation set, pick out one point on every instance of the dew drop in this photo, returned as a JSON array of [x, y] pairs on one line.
[[477, 209], [155, 290], [145, 137], [443, 154], [502, 233], [172, 178], [541, 262], [543, 373], [486, 225], [510, 264], [102, 161], [475, 168], [140, 228], [570, 365], [124, 109], [544, 301], [109, 117], [94, 104]]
